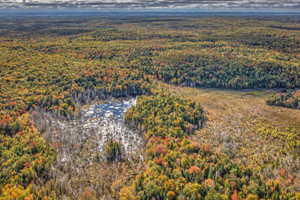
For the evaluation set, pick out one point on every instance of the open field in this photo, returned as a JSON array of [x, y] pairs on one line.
[[249, 103], [234, 121]]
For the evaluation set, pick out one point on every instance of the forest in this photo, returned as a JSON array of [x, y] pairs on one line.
[[289, 99], [53, 70]]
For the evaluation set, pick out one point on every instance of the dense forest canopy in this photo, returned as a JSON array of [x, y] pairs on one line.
[[60, 64]]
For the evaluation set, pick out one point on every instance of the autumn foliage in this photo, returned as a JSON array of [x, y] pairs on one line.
[[58, 65]]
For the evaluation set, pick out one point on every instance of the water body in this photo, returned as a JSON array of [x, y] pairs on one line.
[[111, 110]]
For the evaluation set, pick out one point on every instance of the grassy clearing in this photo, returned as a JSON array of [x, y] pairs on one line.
[[234, 121], [249, 103]]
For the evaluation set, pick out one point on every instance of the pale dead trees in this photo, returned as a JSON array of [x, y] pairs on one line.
[[222, 137], [40, 118], [80, 141]]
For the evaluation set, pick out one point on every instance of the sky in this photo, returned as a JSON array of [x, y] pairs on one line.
[[153, 4]]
